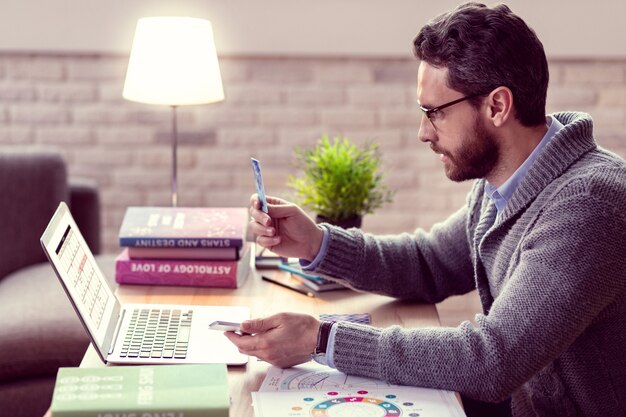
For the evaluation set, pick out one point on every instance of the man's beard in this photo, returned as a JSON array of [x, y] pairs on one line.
[[477, 156]]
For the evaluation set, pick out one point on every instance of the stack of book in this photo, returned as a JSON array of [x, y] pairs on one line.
[[202, 246], [314, 282]]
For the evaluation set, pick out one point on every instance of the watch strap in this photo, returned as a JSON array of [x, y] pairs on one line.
[[323, 335]]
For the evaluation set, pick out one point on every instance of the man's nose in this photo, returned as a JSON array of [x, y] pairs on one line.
[[426, 131]]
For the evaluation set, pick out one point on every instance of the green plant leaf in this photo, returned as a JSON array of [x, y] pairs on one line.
[[339, 180]]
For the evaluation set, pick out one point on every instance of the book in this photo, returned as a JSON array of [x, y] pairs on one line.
[[164, 390], [314, 282], [266, 259], [232, 253], [184, 227], [286, 280], [319, 284], [181, 272]]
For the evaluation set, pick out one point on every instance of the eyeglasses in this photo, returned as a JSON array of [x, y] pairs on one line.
[[431, 114]]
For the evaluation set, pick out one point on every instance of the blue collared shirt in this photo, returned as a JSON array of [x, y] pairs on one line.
[[500, 196], [310, 266]]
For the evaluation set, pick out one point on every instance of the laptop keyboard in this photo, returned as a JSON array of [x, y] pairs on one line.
[[156, 333]]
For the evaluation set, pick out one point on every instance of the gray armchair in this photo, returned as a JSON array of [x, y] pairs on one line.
[[39, 331]]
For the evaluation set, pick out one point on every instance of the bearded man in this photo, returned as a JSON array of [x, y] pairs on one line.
[[542, 237]]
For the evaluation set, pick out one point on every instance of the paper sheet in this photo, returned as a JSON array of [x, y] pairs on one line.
[[313, 390]]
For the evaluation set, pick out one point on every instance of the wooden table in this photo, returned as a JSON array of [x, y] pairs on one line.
[[265, 298]]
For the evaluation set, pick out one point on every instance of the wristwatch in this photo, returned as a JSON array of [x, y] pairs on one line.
[[322, 337]]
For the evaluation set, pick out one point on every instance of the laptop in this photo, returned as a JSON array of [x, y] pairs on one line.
[[134, 333]]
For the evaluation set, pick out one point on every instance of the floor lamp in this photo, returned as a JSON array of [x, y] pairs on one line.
[[173, 62]]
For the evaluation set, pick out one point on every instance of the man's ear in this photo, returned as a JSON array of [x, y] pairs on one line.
[[500, 106]]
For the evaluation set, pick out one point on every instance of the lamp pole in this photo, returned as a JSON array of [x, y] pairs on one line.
[[183, 70], [174, 158]]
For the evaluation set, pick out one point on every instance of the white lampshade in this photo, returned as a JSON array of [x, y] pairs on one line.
[[173, 61]]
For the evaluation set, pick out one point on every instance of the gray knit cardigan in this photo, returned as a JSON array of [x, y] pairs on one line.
[[551, 275]]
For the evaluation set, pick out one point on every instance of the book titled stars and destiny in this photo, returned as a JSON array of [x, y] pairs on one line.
[[184, 227]]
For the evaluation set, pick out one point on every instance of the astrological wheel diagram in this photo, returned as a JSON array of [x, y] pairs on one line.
[[326, 380], [355, 407]]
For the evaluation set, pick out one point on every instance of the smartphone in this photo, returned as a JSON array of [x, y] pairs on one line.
[[258, 181], [225, 326]]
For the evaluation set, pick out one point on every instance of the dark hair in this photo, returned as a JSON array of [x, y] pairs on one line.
[[485, 48]]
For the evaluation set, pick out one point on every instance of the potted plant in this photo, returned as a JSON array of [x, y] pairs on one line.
[[340, 181]]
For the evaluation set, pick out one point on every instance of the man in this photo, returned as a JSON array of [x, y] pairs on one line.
[[542, 237]]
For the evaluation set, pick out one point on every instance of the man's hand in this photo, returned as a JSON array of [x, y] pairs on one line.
[[284, 339], [286, 230]]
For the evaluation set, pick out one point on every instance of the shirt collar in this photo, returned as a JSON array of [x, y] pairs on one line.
[[502, 194]]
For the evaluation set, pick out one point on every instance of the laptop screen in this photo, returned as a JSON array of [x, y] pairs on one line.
[[82, 279]]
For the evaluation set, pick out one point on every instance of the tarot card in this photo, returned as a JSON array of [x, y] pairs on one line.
[[363, 318], [260, 189]]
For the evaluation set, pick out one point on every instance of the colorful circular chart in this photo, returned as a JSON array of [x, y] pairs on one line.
[[355, 406]]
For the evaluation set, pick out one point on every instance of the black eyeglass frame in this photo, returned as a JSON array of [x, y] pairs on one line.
[[429, 112]]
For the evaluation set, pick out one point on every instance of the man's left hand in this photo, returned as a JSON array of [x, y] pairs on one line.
[[283, 340]]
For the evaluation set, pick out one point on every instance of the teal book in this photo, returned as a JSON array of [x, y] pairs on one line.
[[142, 391], [315, 282]]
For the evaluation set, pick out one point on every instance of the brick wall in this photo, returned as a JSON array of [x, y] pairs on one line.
[[73, 103]]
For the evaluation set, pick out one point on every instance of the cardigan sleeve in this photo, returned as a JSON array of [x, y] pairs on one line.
[[420, 266]]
